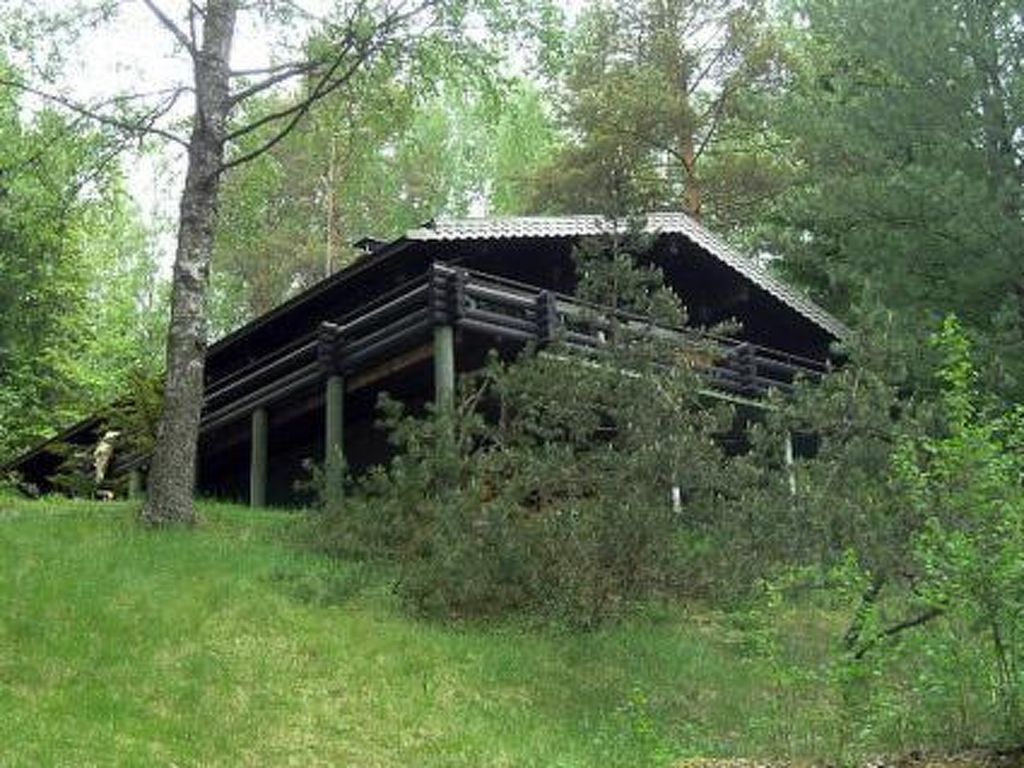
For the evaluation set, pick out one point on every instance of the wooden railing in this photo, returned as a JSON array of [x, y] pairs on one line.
[[504, 308], [499, 308]]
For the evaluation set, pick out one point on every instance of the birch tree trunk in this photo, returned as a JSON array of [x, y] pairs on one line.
[[332, 208], [173, 469], [692, 202]]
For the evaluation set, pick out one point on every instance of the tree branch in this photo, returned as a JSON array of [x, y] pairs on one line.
[[860, 617], [694, 84], [294, 113], [646, 138], [272, 69], [330, 81], [170, 94], [716, 116], [299, 107], [279, 76], [916, 621], [187, 42], [303, 13], [101, 165], [193, 9], [144, 125]]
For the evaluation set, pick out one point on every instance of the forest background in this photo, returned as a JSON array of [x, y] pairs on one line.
[[871, 152]]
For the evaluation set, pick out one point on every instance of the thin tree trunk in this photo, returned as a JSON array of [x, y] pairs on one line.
[[172, 474], [692, 202], [1018, 289], [332, 213]]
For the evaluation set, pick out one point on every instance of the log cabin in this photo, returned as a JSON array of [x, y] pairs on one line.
[[413, 313]]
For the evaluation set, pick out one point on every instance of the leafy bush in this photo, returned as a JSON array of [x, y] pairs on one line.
[[939, 621], [968, 487]]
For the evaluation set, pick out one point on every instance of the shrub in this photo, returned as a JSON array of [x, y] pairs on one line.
[[968, 487], [558, 503], [548, 489], [941, 583]]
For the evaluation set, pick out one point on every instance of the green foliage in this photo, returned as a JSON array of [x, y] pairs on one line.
[[44, 277], [557, 506], [612, 275], [845, 500], [522, 140], [78, 303], [968, 487], [899, 122], [914, 508], [548, 491]]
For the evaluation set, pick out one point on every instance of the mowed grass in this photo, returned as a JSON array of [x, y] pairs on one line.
[[227, 645]]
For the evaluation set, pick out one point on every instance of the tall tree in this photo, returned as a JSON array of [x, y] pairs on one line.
[[652, 88], [172, 473], [373, 165], [902, 121], [123, 323], [522, 140], [345, 43]]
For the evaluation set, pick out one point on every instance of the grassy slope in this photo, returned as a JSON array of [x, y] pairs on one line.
[[218, 647]]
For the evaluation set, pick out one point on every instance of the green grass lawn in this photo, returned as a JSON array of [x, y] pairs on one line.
[[227, 645]]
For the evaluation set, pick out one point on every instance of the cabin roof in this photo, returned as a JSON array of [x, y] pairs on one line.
[[510, 227], [446, 229]]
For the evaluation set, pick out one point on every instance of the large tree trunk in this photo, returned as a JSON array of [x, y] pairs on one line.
[[172, 474]]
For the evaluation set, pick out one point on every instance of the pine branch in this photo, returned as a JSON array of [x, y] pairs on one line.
[[716, 111], [695, 83]]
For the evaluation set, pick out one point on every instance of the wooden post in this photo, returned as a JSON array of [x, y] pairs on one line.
[[747, 370], [258, 459], [444, 367], [790, 468], [546, 313], [334, 437], [136, 484]]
